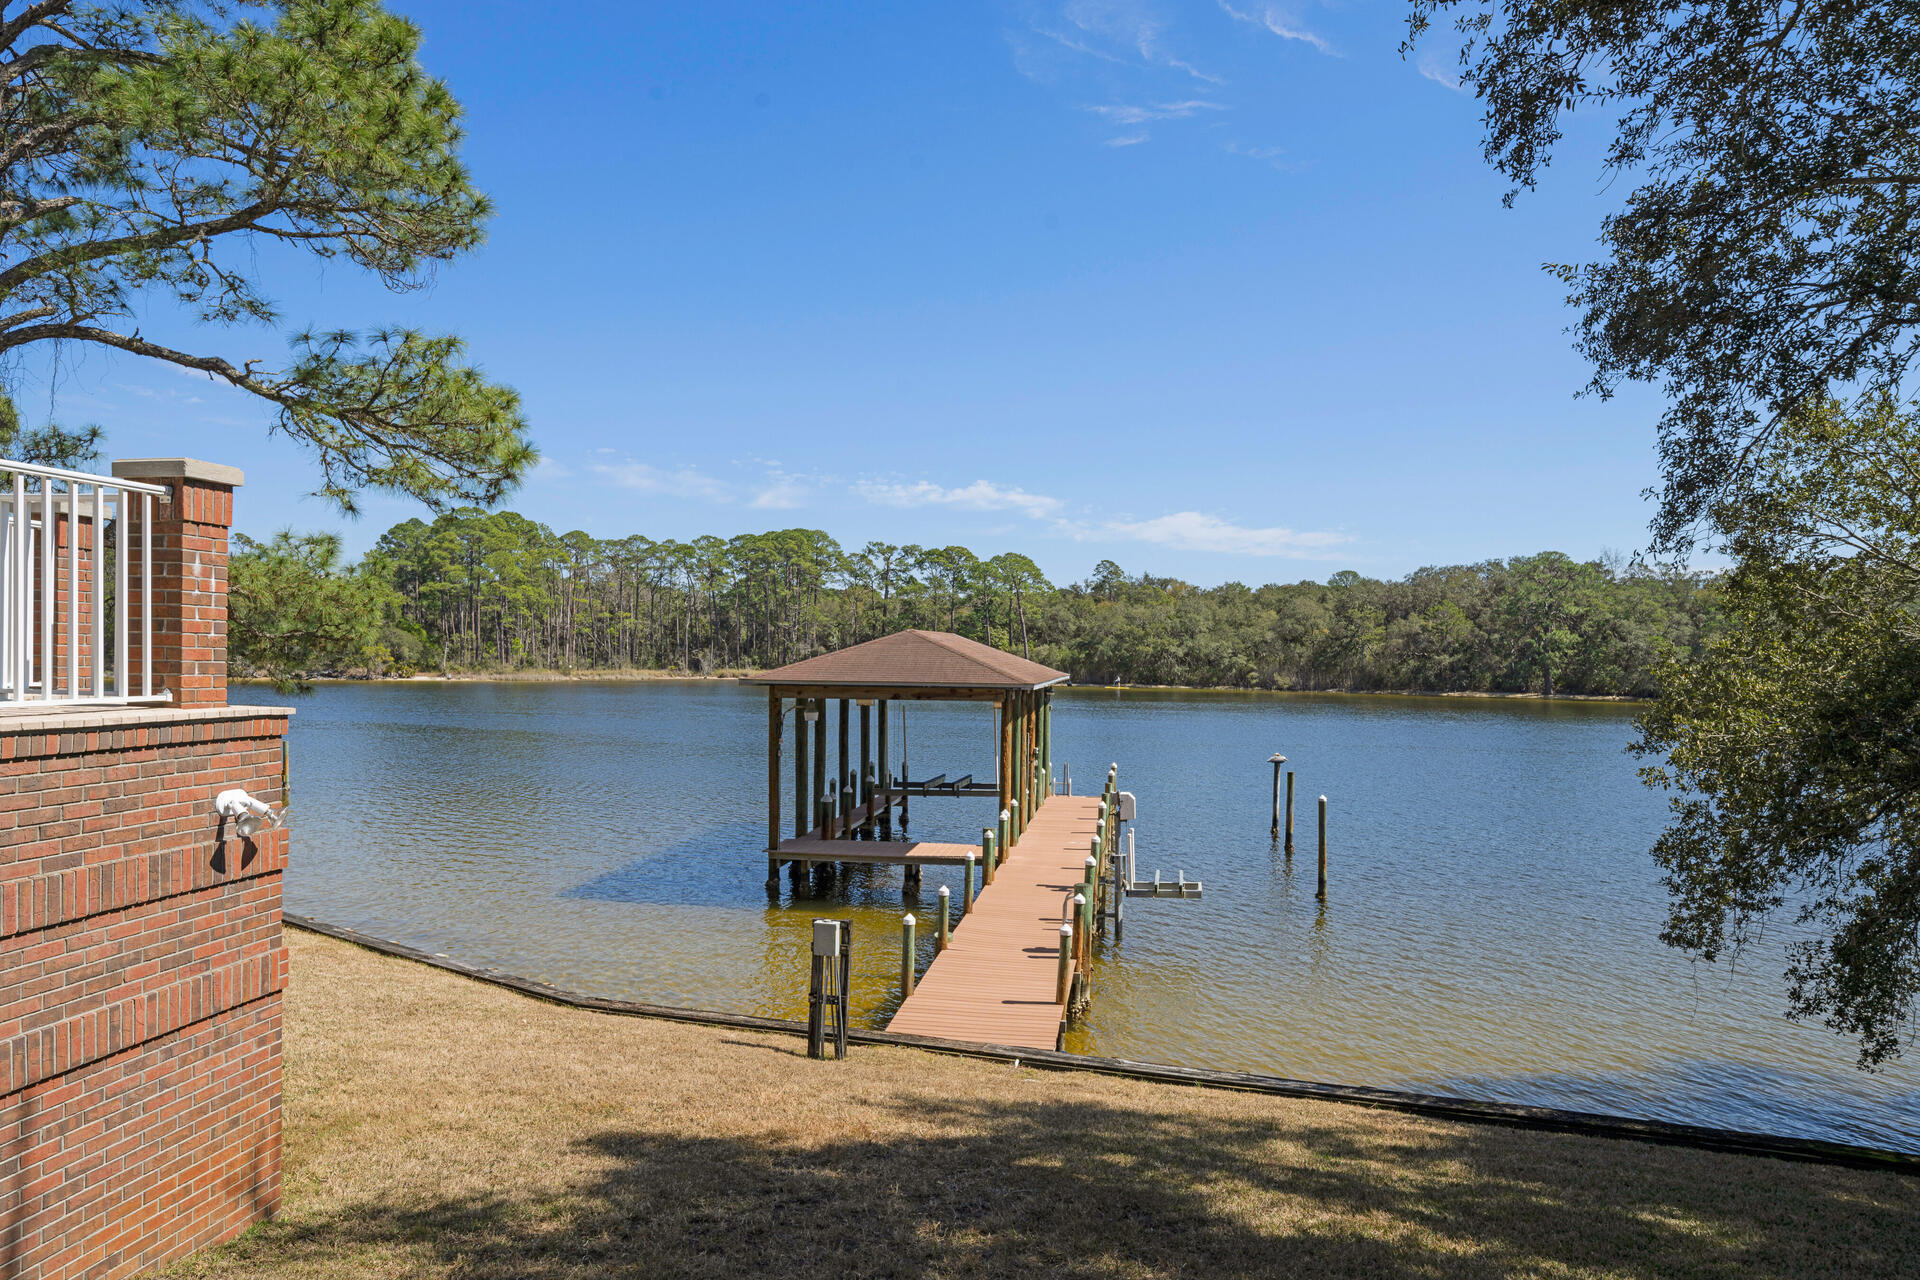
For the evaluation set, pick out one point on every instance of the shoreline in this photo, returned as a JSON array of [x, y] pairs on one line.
[[1464, 1110], [636, 675], [438, 1127]]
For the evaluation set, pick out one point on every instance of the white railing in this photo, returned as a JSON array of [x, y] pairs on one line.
[[59, 617]]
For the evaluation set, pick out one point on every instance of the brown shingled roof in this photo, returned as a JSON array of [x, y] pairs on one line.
[[917, 659]]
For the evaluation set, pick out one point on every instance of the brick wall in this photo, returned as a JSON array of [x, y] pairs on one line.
[[141, 965]]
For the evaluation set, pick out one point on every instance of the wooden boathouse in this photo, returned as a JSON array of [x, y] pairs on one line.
[[1009, 972], [837, 810]]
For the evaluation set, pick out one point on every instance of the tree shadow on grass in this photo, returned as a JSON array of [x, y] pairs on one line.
[[1083, 1188]]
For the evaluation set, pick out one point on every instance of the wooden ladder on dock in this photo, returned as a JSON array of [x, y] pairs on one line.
[[996, 981]]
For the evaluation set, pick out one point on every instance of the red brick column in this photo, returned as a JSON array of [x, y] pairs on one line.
[[189, 574]]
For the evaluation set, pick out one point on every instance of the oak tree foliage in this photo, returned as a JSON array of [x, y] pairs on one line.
[[1767, 252], [1793, 742], [150, 148]]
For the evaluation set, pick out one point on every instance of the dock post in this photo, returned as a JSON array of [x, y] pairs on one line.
[[1080, 928], [943, 930], [805, 808], [906, 955], [966, 890], [987, 858], [820, 773], [1063, 980], [1004, 843], [886, 776], [1276, 760], [1094, 884], [1013, 820], [845, 771], [864, 795], [1066, 779], [1289, 844], [1323, 847], [904, 775]]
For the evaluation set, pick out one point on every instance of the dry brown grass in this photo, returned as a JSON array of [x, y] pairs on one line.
[[440, 1127]]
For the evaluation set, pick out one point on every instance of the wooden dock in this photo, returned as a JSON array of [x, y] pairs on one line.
[[996, 982]]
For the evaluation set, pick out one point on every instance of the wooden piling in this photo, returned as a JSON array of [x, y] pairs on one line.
[[820, 747], [1063, 982], [773, 786], [1006, 843], [1323, 847], [805, 807], [886, 775], [966, 890], [987, 859], [906, 955], [865, 794], [1080, 928], [943, 930], [845, 770], [1276, 760], [1013, 821], [1289, 842]]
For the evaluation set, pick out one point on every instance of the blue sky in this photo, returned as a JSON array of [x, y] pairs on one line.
[[1216, 290]]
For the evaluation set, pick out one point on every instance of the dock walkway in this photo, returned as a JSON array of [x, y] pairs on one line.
[[995, 982]]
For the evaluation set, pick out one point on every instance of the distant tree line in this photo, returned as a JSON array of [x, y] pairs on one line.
[[495, 591]]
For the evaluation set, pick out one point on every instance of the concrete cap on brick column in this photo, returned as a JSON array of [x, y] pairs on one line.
[[179, 469]]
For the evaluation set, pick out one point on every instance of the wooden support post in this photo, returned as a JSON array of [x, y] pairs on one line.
[[966, 889], [1276, 760], [886, 776], [1013, 821], [1006, 838], [1289, 843], [987, 859], [865, 794], [1007, 751], [906, 955], [806, 803], [1080, 929], [1093, 882], [840, 775], [944, 928], [1323, 847], [773, 786], [1063, 978], [819, 750]]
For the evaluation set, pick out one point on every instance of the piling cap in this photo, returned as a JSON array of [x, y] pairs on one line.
[[1080, 899], [1066, 931], [1091, 859], [944, 891], [1276, 758], [972, 854], [908, 920]]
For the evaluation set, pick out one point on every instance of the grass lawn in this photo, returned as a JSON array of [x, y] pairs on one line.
[[440, 1127]]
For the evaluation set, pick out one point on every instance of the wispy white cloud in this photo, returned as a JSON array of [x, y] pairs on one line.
[[682, 482], [782, 492], [1127, 140], [1433, 69], [981, 495], [1268, 155], [1195, 72], [1124, 114], [1282, 24], [1128, 33], [1197, 531], [549, 468]]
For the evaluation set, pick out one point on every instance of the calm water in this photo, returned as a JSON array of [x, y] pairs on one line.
[[1490, 930]]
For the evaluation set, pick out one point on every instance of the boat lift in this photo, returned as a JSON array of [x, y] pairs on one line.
[[1124, 879]]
